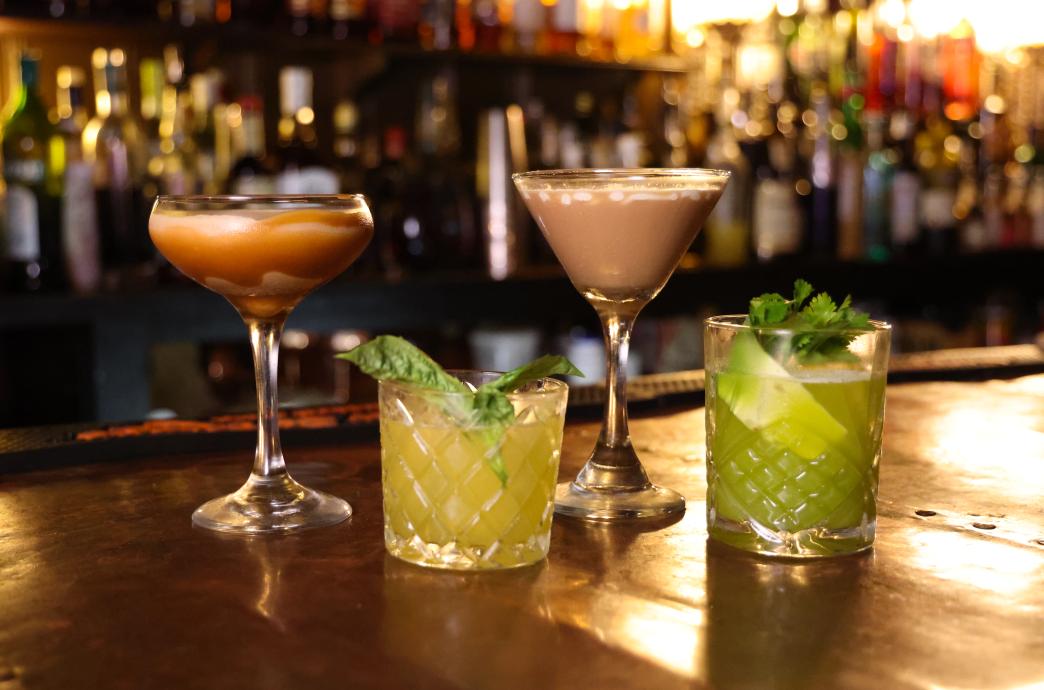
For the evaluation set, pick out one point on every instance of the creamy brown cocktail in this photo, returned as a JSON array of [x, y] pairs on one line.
[[619, 235], [620, 241], [263, 261], [264, 254]]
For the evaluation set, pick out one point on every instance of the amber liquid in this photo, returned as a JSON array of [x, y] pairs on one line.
[[263, 262]]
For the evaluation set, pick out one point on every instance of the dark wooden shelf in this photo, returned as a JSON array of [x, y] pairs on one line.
[[123, 326], [245, 37]]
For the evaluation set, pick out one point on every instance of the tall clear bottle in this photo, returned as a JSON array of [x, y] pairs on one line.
[[151, 82], [113, 144], [80, 242], [204, 87], [727, 230], [303, 170], [33, 155], [878, 183], [252, 173]]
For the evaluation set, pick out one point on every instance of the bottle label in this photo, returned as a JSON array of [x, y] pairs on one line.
[[23, 224], [79, 228], [312, 180], [29, 171], [777, 223], [906, 187], [564, 16], [529, 16], [849, 208], [937, 208]]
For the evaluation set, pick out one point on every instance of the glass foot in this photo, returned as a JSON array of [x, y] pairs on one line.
[[652, 501], [261, 506]]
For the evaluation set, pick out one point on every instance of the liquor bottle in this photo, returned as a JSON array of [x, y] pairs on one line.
[[822, 200], [299, 16], [878, 181], [346, 147], [80, 243], [529, 20], [113, 144], [204, 88], [436, 24], [937, 159], [563, 32], [593, 41], [348, 18], [967, 207], [178, 168], [303, 170], [489, 29], [152, 82], [850, 162], [34, 187], [388, 191], [252, 172], [449, 213], [777, 225], [1035, 200], [464, 25], [727, 231], [959, 62], [906, 188], [631, 26], [394, 20]]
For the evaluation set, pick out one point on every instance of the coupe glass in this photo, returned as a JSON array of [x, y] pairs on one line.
[[619, 234], [264, 254]]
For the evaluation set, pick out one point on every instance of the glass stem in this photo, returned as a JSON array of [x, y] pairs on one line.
[[617, 331], [613, 465], [264, 341]]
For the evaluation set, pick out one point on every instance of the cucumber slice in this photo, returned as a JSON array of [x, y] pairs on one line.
[[767, 399]]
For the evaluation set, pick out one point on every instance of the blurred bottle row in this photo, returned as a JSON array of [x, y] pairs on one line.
[[621, 29], [849, 134]]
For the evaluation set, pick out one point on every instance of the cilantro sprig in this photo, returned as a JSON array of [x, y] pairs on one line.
[[485, 412], [821, 329]]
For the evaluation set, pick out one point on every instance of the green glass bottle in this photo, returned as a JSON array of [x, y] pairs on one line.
[[34, 158]]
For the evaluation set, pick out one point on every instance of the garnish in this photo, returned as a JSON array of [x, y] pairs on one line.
[[487, 411], [822, 329]]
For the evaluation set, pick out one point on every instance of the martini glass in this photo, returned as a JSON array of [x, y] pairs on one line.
[[619, 235], [264, 254]]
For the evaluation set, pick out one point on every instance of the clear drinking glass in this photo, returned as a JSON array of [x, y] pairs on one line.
[[444, 505], [793, 447], [264, 254], [619, 234]]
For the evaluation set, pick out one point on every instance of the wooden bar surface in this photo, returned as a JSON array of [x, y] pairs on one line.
[[104, 583]]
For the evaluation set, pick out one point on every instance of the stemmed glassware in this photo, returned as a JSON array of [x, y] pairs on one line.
[[619, 234], [264, 254]]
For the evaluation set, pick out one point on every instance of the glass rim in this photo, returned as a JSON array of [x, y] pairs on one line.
[[620, 174], [240, 200], [736, 322], [552, 386]]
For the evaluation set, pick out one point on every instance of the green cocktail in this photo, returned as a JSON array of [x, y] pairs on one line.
[[793, 442]]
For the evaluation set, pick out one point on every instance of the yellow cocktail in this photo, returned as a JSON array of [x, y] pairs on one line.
[[445, 504]]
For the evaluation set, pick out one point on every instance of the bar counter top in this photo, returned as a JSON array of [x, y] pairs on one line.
[[104, 583]]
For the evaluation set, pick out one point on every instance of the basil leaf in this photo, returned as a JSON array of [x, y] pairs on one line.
[[391, 358]]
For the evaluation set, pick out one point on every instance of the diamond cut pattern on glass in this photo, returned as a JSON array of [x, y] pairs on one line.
[[443, 504], [782, 492]]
